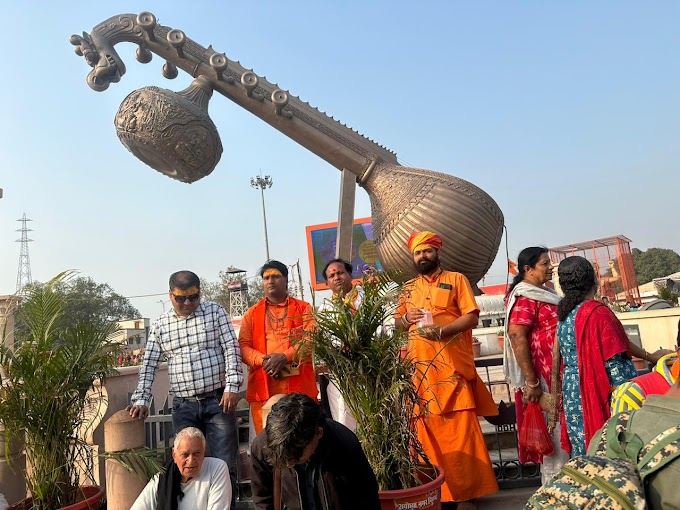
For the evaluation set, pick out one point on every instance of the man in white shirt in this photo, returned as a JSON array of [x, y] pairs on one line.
[[338, 276], [196, 482]]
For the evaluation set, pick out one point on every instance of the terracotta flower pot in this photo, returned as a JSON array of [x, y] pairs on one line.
[[501, 340], [477, 348], [90, 497], [423, 497]]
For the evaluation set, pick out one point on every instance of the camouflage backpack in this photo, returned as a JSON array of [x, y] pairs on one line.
[[614, 478]]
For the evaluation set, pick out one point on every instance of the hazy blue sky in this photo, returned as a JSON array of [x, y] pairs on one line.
[[566, 113]]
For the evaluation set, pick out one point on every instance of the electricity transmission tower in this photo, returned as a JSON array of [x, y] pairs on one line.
[[24, 270]]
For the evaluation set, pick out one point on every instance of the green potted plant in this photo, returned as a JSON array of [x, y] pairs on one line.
[[363, 357], [49, 394]]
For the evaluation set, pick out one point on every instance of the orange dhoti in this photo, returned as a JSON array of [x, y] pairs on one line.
[[276, 387], [447, 380], [454, 442]]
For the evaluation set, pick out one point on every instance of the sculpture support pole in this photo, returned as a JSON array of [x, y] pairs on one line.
[[343, 241]]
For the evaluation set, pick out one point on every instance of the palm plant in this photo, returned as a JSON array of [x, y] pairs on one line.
[[49, 392], [379, 385]]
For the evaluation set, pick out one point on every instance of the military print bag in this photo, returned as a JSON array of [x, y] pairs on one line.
[[614, 477]]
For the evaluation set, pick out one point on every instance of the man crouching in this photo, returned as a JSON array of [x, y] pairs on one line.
[[303, 462]]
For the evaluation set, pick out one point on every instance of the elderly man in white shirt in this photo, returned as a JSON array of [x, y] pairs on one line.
[[192, 481]]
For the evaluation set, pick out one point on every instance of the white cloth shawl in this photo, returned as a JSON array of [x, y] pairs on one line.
[[511, 368]]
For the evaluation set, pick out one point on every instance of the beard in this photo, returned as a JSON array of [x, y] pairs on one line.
[[426, 266]]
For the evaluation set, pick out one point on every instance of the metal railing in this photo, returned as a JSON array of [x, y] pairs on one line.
[[501, 431]]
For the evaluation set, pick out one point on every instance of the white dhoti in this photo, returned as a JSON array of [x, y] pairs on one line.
[[339, 410]]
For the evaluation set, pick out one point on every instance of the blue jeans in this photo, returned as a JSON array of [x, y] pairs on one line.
[[218, 427]]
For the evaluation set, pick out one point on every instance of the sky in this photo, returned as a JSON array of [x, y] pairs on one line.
[[566, 113]]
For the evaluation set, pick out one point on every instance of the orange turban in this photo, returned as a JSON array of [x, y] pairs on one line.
[[425, 239]]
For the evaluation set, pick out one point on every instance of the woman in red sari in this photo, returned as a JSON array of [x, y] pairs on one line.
[[531, 320]]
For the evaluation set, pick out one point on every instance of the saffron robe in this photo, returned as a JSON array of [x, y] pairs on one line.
[[450, 430], [258, 338]]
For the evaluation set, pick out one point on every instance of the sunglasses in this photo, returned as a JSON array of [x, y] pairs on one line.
[[182, 299]]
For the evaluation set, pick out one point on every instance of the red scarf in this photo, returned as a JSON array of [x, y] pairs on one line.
[[599, 337]]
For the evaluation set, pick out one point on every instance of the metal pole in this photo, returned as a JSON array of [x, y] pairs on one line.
[[261, 183], [264, 217], [302, 291]]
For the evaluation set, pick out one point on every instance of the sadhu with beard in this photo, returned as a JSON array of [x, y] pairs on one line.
[[449, 430]]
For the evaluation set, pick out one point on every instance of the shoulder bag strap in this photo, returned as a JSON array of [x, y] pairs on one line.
[[620, 442], [277, 488], [664, 448]]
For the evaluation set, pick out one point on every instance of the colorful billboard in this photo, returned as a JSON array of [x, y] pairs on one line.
[[321, 248]]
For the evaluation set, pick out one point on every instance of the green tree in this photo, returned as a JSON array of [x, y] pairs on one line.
[[215, 292], [255, 290], [668, 295], [87, 302], [218, 291], [655, 263], [49, 396]]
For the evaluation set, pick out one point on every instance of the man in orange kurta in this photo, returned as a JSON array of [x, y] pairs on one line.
[[270, 336], [455, 395]]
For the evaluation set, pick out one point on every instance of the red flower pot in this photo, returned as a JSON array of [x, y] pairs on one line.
[[90, 497], [424, 497], [476, 348]]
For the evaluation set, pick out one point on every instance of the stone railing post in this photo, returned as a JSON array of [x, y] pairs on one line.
[[121, 432], [12, 483]]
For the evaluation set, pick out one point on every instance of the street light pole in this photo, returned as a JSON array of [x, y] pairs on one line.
[[261, 183]]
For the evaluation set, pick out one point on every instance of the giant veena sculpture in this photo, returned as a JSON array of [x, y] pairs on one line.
[[172, 133]]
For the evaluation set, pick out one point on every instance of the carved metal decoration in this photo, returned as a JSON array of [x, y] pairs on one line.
[[171, 132], [403, 200]]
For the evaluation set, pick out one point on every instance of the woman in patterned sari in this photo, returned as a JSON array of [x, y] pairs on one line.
[[531, 321], [596, 354]]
